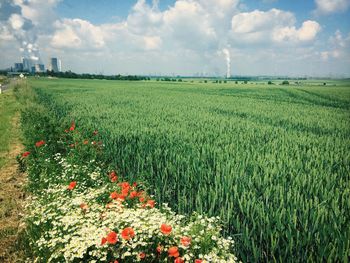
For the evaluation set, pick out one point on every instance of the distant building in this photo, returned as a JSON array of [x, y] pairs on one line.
[[27, 64], [18, 67], [39, 68], [55, 65]]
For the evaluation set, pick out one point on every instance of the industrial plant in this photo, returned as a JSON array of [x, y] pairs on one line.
[[29, 65]]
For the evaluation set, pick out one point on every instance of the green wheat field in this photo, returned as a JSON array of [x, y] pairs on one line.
[[273, 161]]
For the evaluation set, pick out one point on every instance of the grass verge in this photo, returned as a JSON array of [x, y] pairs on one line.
[[11, 180]]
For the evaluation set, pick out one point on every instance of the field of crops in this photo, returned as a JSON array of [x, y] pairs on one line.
[[272, 161]]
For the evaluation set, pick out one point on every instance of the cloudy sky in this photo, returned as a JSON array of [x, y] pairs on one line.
[[184, 37]]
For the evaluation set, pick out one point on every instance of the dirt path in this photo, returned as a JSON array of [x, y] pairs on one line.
[[11, 200]]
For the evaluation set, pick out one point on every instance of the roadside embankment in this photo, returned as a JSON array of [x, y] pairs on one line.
[[11, 179]]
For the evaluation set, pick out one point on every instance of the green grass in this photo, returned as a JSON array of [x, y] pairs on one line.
[[8, 108], [272, 161]]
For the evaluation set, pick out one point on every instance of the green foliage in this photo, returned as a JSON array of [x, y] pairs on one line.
[[285, 82], [8, 108], [272, 162]]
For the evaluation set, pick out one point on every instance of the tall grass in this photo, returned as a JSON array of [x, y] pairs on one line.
[[273, 162]]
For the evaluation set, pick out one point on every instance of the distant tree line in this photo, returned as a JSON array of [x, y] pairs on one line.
[[72, 75], [168, 79]]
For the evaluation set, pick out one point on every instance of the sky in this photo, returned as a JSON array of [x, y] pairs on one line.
[[183, 37]]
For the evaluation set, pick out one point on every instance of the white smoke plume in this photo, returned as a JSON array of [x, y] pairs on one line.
[[25, 20], [22, 30], [227, 54]]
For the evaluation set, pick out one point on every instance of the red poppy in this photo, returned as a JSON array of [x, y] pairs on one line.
[[103, 241], [72, 185], [165, 229], [72, 127], [142, 199], [72, 145], [113, 195], [125, 185], [116, 196], [84, 206], [125, 193], [128, 233], [113, 176], [85, 142], [95, 132], [159, 249], [134, 184], [114, 179], [40, 143], [198, 261], [151, 203], [133, 194], [116, 261], [25, 154], [112, 238], [185, 241], [173, 252], [179, 260], [142, 255]]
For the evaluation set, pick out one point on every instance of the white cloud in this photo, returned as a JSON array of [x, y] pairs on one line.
[[40, 12], [77, 34], [5, 34], [331, 6], [258, 21], [16, 21], [144, 19], [273, 26], [339, 47], [305, 33], [152, 43], [325, 55], [187, 23]]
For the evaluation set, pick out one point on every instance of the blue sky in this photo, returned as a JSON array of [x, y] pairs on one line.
[[186, 37]]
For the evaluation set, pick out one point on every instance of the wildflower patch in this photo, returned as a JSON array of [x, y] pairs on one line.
[[85, 214]]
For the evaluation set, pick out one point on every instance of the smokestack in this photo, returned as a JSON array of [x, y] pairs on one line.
[[228, 62]]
